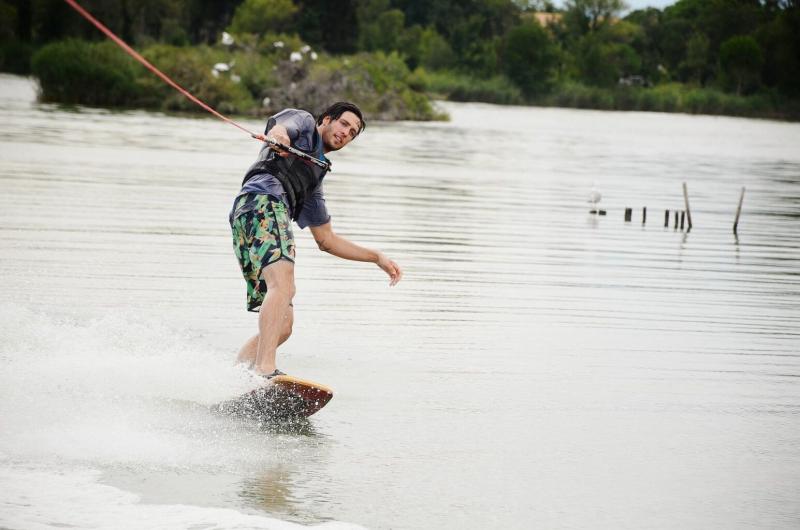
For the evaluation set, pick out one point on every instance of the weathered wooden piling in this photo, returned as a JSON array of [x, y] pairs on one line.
[[683, 216], [628, 214], [686, 203], [666, 218], [676, 219], [738, 211], [644, 215]]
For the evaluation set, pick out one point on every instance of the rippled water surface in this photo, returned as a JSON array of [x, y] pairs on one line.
[[538, 366]]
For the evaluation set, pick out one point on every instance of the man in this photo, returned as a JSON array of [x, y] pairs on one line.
[[278, 188]]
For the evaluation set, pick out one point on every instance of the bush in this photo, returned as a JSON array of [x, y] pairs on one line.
[[460, 87], [380, 84], [192, 69], [699, 101], [78, 72], [672, 97], [667, 98], [577, 95]]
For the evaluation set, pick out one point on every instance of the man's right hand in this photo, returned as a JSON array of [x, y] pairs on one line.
[[279, 134]]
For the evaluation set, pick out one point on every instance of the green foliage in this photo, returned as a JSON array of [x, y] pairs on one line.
[[586, 16], [741, 59], [671, 97], [379, 27], [8, 22], [689, 25], [275, 45], [192, 69], [77, 72], [261, 16], [327, 25], [602, 61], [434, 51], [15, 57], [380, 83], [386, 78], [688, 54], [461, 87], [780, 41], [530, 58], [696, 61]]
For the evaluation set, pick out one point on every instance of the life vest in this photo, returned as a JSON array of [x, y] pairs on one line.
[[298, 177]]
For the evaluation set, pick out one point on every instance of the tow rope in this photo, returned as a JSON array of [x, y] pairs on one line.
[[164, 77]]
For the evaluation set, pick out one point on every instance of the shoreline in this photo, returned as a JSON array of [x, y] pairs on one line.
[[672, 98]]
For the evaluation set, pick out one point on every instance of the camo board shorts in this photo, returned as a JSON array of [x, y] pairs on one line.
[[262, 235]]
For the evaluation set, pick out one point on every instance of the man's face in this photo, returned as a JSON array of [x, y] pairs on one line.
[[340, 132]]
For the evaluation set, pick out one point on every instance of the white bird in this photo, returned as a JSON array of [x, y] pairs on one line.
[[594, 198], [227, 39], [222, 67], [295, 57]]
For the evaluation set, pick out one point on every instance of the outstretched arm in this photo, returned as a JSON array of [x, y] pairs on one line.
[[328, 241]]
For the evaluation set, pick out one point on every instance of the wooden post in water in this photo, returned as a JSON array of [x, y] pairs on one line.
[[628, 213], [683, 216], [686, 202], [666, 218], [738, 211], [676, 219], [644, 215]]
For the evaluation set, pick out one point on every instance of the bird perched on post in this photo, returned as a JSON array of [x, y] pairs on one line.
[[594, 198]]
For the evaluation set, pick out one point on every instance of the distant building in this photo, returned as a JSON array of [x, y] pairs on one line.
[[545, 19]]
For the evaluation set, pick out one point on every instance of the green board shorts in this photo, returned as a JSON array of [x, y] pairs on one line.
[[262, 235]]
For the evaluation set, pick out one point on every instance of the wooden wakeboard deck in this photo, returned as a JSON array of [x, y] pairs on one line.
[[281, 397]]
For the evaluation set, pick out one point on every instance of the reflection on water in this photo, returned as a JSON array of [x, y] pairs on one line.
[[537, 367]]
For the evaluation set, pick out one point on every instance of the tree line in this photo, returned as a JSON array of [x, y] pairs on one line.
[[529, 50]]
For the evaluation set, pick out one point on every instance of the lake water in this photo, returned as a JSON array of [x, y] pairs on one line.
[[537, 367]]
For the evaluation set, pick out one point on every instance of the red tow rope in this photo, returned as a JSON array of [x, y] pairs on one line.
[[133, 53]]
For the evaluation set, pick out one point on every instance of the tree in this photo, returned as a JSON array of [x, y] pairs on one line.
[[207, 18], [741, 58], [379, 27], [601, 61], [780, 41], [8, 22], [530, 58], [648, 42], [696, 62], [262, 16], [329, 24], [472, 28], [434, 51], [589, 15]]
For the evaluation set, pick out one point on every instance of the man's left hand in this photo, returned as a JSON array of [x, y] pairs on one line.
[[391, 268]]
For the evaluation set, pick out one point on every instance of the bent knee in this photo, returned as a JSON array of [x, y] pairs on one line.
[[287, 290]]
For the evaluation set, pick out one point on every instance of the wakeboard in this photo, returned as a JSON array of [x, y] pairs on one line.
[[282, 397]]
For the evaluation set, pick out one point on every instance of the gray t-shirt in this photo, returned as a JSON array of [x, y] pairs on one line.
[[301, 127]]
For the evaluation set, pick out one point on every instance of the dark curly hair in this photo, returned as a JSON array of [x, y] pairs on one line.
[[336, 110]]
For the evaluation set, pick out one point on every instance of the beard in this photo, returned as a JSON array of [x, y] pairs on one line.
[[329, 146]]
